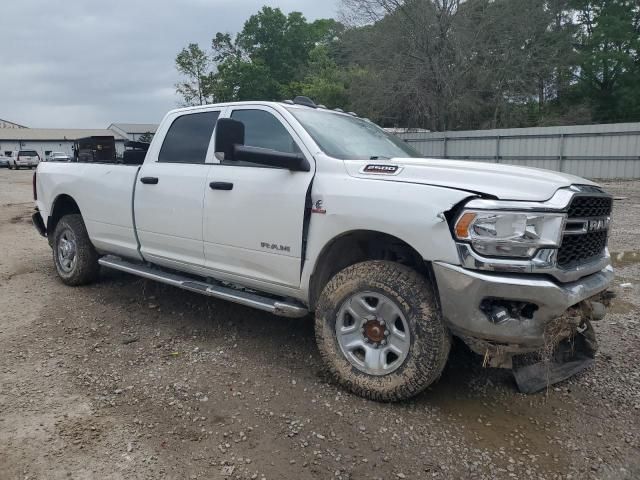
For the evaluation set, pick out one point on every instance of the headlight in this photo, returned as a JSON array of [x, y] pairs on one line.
[[509, 234]]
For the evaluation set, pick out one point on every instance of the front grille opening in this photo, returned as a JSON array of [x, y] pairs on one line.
[[585, 207], [577, 249], [499, 310]]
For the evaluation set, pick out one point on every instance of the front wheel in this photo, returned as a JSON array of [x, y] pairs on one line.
[[379, 331], [74, 255]]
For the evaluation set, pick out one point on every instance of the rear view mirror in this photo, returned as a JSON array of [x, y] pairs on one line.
[[296, 162], [230, 142], [229, 133]]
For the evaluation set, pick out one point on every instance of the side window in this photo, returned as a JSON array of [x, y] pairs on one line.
[[262, 129], [188, 138]]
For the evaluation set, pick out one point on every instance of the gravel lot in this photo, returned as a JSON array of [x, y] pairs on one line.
[[132, 379]]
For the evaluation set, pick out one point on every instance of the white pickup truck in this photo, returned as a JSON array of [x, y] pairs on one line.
[[292, 208]]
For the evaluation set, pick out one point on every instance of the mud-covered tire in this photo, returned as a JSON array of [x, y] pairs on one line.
[[430, 340], [84, 268]]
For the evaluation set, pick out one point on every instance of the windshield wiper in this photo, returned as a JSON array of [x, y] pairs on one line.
[[379, 157]]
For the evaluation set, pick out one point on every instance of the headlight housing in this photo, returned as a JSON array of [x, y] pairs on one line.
[[509, 234]]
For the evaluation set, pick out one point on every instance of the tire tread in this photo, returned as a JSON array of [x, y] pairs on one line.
[[434, 339], [87, 267]]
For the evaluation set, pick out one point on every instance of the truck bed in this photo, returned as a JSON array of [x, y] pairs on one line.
[[104, 193]]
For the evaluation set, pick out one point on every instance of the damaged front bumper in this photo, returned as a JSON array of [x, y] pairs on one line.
[[500, 316], [466, 297]]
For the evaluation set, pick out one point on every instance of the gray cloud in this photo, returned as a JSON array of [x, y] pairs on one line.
[[86, 64]]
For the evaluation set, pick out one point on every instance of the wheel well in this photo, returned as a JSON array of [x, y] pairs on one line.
[[359, 246], [63, 205]]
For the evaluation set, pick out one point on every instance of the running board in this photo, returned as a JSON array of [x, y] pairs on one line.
[[282, 308]]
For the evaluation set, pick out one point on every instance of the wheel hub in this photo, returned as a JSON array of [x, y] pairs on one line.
[[374, 330], [373, 333], [67, 251]]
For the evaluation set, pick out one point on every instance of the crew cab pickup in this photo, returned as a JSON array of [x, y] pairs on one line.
[[295, 209]]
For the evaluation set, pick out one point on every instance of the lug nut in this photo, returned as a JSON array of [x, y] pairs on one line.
[[383, 342], [386, 332], [382, 322]]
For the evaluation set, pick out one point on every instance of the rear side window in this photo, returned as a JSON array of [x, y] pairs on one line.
[[262, 129], [188, 138]]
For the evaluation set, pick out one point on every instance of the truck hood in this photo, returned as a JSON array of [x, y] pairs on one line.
[[506, 182]]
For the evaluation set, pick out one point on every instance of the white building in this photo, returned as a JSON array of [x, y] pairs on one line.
[[133, 131], [47, 140]]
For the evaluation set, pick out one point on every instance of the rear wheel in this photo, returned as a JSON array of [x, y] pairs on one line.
[[74, 255], [379, 331]]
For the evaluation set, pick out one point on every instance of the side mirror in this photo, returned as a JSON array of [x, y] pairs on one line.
[[230, 141], [296, 162], [229, 133]]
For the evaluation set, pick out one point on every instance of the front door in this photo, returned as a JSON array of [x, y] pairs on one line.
[[254, 215], [170, 191]]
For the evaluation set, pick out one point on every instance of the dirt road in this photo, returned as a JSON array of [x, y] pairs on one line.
[[131, 379]]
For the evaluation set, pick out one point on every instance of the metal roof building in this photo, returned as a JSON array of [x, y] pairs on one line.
[[46, 140], [8, 124], [133, 131]]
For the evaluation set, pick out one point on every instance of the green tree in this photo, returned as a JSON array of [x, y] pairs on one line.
[[324, 82], [271, 53], [608, 43], [195, 65]]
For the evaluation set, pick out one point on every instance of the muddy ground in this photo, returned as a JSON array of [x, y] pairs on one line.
[[131, 379]]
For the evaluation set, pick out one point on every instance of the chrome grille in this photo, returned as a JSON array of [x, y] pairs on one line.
[[582, 245]]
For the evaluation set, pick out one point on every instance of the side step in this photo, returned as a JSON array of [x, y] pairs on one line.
[[282, 308]]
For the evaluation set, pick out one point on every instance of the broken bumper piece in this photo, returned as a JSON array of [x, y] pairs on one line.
[[502, 317], [570, 357]]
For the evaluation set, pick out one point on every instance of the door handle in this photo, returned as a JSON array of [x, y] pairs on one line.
[[221, 186], [149, 180]]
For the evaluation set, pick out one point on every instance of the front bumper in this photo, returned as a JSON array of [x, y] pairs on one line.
[[462, 292]]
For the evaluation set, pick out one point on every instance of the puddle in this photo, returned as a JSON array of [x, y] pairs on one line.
[[501, 417], [622, 259]]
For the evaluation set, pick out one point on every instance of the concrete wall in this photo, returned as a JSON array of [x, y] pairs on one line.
[[591, 151]]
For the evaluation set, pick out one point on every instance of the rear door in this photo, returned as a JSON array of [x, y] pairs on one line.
[[170, 191], [254, 215]]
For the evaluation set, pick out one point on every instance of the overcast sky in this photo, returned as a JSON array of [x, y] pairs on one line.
[[89, 63]]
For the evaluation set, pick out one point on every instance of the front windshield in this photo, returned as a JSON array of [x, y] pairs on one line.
[[350, 138]]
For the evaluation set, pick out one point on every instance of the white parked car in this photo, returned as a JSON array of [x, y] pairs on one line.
[[59, 157], [295, 209], [24, 158]]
